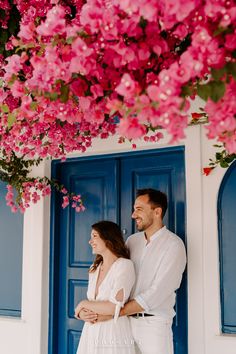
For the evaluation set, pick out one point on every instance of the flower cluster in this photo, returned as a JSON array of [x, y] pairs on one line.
[[5, 8], [22, 189], [85, 69], [30, 193], [33, 190], [222, 158]]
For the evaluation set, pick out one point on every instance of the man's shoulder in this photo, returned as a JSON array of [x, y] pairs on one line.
[[134, 237], [173, 238]]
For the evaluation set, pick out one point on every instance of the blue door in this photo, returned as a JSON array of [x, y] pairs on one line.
[[108, 186], [227, 249]]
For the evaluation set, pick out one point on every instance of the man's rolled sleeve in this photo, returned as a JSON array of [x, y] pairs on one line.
[[142, 303]]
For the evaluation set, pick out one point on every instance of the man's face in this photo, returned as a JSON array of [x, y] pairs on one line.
[[144, 213]]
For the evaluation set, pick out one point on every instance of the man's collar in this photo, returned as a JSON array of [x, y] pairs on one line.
[[156, 234]]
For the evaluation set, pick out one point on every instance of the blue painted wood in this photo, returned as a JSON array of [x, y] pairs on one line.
[[227, 249], [108, 186], [97, 182], [165, 171], [11, 245]]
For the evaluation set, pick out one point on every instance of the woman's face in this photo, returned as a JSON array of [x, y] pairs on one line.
[[97, 244]]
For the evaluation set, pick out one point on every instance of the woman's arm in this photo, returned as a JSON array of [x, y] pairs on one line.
[[99, 307]]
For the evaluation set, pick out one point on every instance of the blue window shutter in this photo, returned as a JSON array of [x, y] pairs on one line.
[[227, 249], [11, 244]]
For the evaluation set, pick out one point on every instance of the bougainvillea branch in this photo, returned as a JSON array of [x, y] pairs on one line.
[[22, 189], [78, 69], [222, 158]]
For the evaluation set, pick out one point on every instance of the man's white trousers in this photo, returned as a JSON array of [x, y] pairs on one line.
[[152, 335]]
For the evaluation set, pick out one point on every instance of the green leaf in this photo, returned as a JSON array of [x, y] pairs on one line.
[[53, 96], [33, 106], [5, 108], [204, 91], [217, 90], [64, 93], [75, 75], [217, 74], [221, 30], [218, 155], [231, 69], [143, 23], [82, 34], [230, 158], [187, 90], [218, 146], [69, 40], [12, 80], [224, 164], [11, 119], [3, 36]]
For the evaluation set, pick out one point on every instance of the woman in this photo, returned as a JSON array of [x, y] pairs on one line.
[[111, 278]]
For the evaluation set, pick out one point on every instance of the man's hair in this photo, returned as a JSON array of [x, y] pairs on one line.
[[156, 198]]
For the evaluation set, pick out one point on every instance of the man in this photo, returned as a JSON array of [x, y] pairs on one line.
[[160, 259]]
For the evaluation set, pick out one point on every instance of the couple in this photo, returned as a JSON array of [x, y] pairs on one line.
[[130, 301]]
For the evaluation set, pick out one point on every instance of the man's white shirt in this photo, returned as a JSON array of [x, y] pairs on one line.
[[159, 266]]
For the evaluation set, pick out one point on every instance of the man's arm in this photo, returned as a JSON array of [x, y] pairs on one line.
[[167, 278], [130, 308]]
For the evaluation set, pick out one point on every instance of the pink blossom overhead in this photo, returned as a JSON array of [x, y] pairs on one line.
[[85, 69]]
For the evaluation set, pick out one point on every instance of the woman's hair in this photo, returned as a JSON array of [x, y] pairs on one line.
[[111, 234]]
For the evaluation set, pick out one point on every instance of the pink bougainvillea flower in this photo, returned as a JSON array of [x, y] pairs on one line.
[[127, 87], [14, 65], [131, 128], [55, 22]]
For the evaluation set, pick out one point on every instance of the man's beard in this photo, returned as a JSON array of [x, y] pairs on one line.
[[143, 226]]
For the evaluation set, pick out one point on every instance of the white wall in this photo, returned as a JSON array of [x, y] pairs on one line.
[[29, 334], [216, 342]]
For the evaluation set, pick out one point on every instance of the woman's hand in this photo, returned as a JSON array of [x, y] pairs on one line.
[[79, 307], [88, 316]]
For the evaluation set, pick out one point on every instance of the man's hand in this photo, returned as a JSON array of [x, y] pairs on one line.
[[87, 316], [130, 308]]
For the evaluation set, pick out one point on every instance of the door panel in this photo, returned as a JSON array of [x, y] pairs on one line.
[[97, 182], [108, 186], [163, 171]]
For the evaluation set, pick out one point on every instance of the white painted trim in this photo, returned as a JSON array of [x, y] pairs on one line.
[[216, 342], [194, 241]]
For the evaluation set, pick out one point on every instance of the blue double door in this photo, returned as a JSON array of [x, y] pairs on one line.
[[108, 186]]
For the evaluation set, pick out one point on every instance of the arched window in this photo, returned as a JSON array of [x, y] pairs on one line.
[[11, 242], [227, 249]]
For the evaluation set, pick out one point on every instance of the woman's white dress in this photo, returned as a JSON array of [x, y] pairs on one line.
[[113, 336]]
